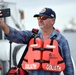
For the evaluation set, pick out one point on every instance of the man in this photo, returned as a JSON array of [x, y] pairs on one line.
[[46, 19]]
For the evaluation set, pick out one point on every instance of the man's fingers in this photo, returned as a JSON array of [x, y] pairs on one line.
[[0, 12], [0, 15]]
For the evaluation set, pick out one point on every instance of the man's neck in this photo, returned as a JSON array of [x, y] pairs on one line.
[[46, 33]]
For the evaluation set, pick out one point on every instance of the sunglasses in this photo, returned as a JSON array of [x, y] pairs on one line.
[[42, 18]]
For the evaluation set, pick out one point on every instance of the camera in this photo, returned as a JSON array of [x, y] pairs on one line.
[[5, 12]]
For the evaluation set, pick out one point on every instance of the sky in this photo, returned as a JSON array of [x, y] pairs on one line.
[[65, 11]]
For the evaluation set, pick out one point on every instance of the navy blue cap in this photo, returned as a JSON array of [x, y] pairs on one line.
[[46, 12]]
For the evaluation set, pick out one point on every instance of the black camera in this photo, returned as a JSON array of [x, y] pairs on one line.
[[5, 12]]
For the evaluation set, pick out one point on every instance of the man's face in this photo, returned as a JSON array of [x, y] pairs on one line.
[[46, 23]]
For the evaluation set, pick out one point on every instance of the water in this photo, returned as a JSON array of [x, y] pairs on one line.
[[71, 37]]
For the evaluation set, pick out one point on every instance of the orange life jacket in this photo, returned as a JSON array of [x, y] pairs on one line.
[[43, 55]]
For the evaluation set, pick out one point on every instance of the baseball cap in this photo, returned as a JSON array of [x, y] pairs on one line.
[[46, 12]]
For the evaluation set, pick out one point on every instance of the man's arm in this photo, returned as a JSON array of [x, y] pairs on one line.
[[69, 70], [4, 26]]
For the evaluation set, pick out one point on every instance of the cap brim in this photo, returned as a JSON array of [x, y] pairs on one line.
[[37, 15]]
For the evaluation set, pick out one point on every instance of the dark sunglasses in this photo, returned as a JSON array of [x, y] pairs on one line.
[[42, 18]]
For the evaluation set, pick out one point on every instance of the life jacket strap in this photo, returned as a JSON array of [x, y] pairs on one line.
[[43, 49], [26, 60], [59, 62], [42, 61]]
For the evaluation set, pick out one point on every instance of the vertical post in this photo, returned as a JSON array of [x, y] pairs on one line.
[[10, 54]]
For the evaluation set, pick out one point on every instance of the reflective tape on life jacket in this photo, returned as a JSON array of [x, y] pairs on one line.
[[43, 55]]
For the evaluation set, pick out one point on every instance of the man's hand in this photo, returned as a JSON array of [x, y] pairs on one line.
[[0, 15], [3, 26]]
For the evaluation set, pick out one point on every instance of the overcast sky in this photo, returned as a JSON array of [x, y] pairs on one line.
[[65, 10]]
